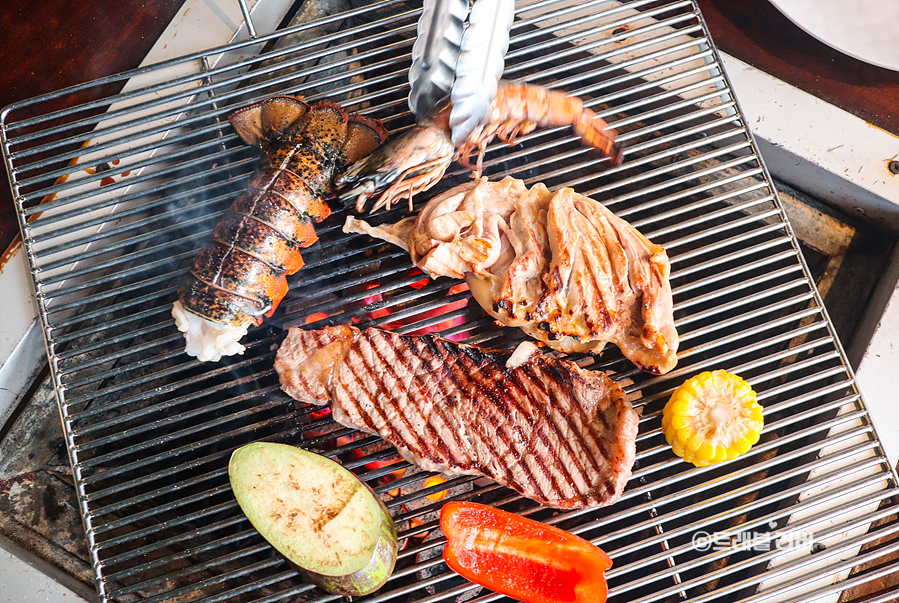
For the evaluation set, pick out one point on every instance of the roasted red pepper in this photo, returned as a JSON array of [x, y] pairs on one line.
[[520, 557]]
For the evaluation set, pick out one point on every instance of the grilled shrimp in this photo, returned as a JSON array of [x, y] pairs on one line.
[[240, 275], [417, 160]]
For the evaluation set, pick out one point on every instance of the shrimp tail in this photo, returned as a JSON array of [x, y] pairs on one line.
[[417, 160], [595, 132], [521, 108]]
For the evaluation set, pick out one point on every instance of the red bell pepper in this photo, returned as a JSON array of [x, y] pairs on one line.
[[522, 558]]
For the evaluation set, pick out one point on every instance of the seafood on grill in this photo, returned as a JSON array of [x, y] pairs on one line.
[[240, 274], [417, 160], [546, 428], [560, 266]]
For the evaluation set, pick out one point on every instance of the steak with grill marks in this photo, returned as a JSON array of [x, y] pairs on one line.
[[555, 433]]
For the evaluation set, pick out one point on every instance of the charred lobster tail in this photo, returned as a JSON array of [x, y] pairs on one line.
[[240, 275]]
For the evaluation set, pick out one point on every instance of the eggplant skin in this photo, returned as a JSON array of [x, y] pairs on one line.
[[317, 514], [375, 573]]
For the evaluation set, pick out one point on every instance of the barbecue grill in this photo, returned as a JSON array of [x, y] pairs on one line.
[[116, 195]]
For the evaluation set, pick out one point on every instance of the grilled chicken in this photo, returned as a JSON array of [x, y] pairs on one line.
[[544, 427], [559, 265]]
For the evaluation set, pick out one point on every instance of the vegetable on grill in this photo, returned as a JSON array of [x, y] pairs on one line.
[[522, 558], [317, 514], [712, 417]]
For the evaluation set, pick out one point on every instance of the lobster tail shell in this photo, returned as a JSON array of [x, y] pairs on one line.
[[259, 240], [363, 135], [241, 274], [247, 123], [279, 113], [295, 188], [278, 213], [266, 121], [218, 305], [321, 130]]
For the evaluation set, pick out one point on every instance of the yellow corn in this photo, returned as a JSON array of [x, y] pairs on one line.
[[712, 417]]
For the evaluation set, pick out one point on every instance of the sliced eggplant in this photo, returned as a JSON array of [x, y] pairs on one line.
[[371, 577], [317, 514]]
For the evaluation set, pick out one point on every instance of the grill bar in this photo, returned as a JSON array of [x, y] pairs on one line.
[[848, 544], [150, 431], [819, 463], [758, 503], [720, 555]]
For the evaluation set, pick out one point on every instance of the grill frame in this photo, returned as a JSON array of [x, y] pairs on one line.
[[85, 412]]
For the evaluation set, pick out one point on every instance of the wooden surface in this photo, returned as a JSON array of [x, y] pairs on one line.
[[59, 43]]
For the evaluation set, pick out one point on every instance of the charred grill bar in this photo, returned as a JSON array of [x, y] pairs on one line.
[[116, 196]]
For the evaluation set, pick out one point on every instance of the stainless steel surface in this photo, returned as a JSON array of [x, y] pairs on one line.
[[116, 196]]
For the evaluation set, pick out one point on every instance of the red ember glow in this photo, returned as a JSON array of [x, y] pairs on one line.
[[372, 299], [391, 477], [315, 317], [321, 413], [418, 284], [377, 313]]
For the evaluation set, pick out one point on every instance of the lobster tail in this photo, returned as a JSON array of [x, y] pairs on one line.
[[240, 275], [301, 190], [279, 113], [235, 271], [218, 305], [278, 213], [322, 130], [259, 240], [247, 123]]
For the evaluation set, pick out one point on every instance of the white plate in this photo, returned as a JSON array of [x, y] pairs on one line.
[[865, 29]]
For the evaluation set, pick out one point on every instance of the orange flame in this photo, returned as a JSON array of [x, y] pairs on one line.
[[390, 477], [346, 439], [435, 480], [417, 523], [386, 479], [372, 299]]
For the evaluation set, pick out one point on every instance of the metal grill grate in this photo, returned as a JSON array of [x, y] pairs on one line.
[[116, 195]]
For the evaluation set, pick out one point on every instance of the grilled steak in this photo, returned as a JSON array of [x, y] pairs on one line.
[[544, 427], [559, 265]]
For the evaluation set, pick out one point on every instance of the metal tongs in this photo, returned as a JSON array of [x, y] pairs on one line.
[[460, 51]]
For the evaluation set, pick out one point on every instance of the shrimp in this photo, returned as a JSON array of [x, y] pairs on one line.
[[240, 275], [417, 160]]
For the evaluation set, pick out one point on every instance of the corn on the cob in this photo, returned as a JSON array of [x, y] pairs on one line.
[[712, 417]]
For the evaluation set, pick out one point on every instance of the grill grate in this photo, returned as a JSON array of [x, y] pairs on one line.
[[116, 195]]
